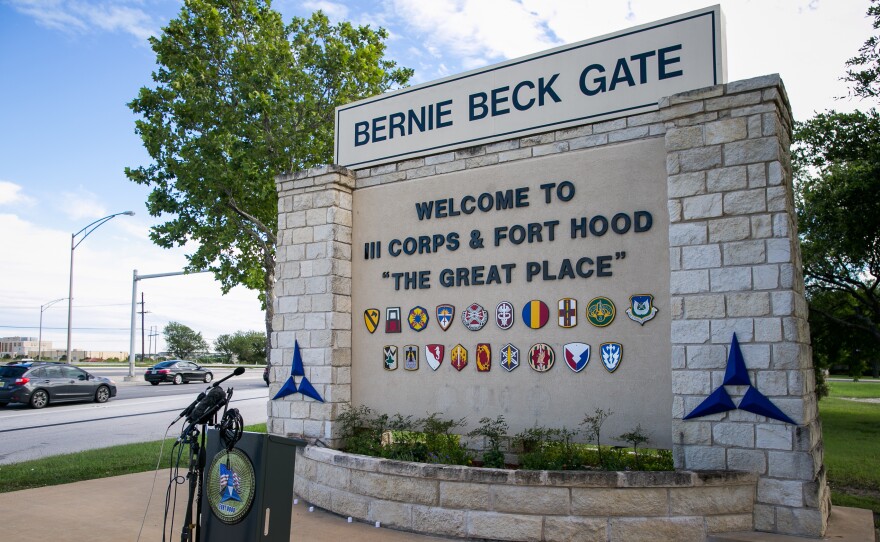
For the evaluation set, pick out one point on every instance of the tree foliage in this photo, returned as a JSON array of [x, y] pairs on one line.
[[840, 347], [245, 346], [837, 171], [182, 341], [838, 168], [240, 97], [864, 69], [838, 161]]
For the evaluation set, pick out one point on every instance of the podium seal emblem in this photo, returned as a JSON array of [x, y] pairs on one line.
[[231, 486]]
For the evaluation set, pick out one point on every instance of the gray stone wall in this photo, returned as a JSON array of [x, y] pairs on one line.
[[313, 300], [736, 267], [549, 506]]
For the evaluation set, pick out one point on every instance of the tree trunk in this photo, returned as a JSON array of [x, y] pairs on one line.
[[269, 263]]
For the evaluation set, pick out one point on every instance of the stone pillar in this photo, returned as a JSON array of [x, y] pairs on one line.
[[735, 263], [313, 300]]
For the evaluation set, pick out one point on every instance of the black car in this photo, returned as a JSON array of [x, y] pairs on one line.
[[39, 384], [177, 371]]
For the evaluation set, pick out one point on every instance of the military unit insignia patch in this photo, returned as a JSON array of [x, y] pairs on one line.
[[474, 317], [434, 355], [418, 318], [445, 314], [568, 312], [411, 357], [509, 357], [612, 355], [458, 357], [504, 315], [535, 314], [541, 357], [392, 320], [484, 357], [371, 319], [600, 311], [389, 358], [576, 355], [641, 308]]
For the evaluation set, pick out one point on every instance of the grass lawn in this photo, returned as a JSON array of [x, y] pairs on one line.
[[91, 464], [861, 390], [851, 432]]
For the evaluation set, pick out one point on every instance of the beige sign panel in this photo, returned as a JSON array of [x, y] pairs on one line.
[[578, 232], [611, 76]]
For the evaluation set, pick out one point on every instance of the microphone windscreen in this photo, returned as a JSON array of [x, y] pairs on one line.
[[215, 397]]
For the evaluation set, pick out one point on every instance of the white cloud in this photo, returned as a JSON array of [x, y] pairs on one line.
[[771, 36], [11, 195], [81, 204], [36, 270], [476, 31], [83, 17], [334, 10]]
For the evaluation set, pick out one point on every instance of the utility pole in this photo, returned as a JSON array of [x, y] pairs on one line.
[[142, 313], [154, 346]]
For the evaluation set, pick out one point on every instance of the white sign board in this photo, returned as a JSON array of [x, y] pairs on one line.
[[620, 74]]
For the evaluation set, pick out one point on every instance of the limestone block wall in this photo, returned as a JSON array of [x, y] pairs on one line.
[[313, 300], [735, 268], [550, 506]]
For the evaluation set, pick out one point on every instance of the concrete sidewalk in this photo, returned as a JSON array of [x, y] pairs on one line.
[[112, 509]]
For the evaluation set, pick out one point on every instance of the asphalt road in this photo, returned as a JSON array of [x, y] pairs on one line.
[[140, 412]]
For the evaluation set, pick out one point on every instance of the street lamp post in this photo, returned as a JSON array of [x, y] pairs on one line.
[[73, 244], [40, 339]]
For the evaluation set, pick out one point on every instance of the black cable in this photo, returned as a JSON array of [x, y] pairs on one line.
[[231, 428], [174, 479], [153, 486]]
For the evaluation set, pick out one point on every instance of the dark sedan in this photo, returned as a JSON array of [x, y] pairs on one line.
[[177, 371], [39, 384]]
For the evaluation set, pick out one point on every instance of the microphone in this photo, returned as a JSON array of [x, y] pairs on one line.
[[186, 412], [236, 372], [207, 406]]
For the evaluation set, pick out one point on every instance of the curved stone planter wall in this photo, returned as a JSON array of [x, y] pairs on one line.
[[521, 505]]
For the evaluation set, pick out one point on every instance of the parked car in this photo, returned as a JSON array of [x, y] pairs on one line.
[[266, 374], [39, 384], [177, 371]]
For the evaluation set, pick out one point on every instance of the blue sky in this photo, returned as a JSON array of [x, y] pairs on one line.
[[70, 66]]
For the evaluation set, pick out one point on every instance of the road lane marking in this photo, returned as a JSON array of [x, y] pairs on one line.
[[109, 417]]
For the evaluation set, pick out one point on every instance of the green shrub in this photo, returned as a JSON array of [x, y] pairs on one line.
[[430, 440], [493, 430]]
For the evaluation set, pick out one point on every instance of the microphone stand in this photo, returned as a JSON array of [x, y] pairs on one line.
[[197, 461], [194, 477]]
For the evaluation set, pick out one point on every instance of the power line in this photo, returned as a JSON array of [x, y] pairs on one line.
[[17, 308], [65, 328]]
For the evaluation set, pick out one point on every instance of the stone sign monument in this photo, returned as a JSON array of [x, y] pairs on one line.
[[608, 224]]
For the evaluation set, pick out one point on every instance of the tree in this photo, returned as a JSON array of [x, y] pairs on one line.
[[864, 70], [182, 341], [241, 97], [837, 172], [223, 345], [246, 346], [838, 346], [838, 164]]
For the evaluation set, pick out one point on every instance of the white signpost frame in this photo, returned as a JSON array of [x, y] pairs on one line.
[[615, 75]]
